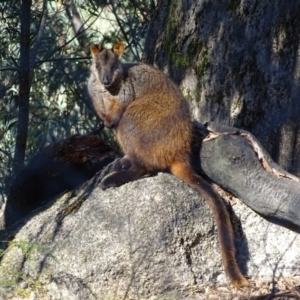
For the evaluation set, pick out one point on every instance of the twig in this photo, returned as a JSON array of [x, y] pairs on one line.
[[38, 36]]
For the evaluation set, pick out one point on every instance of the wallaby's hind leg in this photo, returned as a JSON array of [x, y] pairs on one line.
[[121, 164], [124, 171]]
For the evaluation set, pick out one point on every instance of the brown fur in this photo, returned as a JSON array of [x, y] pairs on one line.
[[154, 130]]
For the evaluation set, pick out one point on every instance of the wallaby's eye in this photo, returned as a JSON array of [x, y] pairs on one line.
[[97, 66]]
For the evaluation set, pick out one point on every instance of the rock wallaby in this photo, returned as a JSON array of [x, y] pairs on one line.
[[154, 129]]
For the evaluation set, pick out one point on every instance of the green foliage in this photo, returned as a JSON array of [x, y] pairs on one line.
[[32, 283], [28, 249], [60, 67]]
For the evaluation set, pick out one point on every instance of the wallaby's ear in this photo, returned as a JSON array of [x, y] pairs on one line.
[[118, 49], [95, 49]]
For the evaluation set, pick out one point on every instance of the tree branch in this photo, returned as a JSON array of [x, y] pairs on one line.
[[39, 36], [57, 49], [63, 59], [8, 69], [122, 29]]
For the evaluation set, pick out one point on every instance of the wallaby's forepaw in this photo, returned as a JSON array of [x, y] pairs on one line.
[[109, 124]]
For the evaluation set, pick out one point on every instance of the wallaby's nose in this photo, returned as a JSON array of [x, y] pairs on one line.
[[105, 80]]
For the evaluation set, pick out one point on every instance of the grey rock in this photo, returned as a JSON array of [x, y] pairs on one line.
[[150, 237]]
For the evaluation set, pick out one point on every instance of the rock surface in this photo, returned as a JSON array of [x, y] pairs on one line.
[[150, 237]]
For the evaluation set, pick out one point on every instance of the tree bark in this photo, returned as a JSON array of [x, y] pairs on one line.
[[24, 87], [237, 62], [77, 24]]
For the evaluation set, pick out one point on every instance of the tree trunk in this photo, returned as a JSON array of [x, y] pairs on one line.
[[77, 24], [237, 63], [24, 87]]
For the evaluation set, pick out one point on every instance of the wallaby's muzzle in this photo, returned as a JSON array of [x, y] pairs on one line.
[[106, 78]]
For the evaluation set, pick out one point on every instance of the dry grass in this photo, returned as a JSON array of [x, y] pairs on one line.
[[282, 289]]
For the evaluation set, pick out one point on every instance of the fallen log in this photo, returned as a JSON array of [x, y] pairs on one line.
[[235, 160]]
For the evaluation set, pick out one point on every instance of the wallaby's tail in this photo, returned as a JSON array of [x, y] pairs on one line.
[[185, 172]]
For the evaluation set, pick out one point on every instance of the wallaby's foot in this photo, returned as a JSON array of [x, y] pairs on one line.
[[117, 178], [122, 164], [121, 177], [109, 181]]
